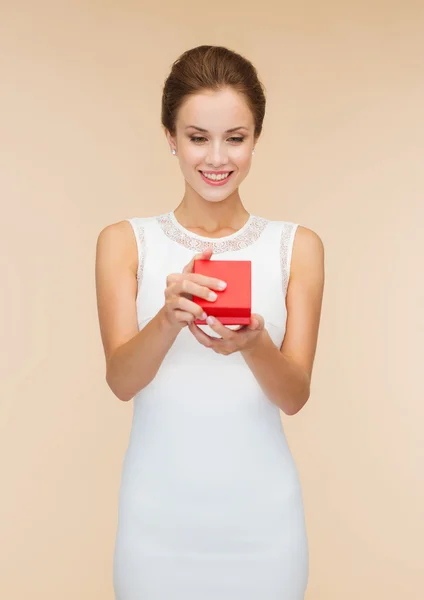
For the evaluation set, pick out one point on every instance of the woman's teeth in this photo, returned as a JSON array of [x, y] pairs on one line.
[[215, 177]]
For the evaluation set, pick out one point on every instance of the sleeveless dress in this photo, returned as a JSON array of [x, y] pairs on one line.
[[210, 502]]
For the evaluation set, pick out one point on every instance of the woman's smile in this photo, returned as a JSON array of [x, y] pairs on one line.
[[216, 177]]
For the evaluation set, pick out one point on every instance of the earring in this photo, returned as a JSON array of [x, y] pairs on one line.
[[253, 151], [174, 151]]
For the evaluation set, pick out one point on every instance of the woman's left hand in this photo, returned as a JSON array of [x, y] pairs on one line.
[[231, 340]]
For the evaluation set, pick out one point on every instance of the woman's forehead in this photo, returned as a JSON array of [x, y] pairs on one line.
[[223, 110]]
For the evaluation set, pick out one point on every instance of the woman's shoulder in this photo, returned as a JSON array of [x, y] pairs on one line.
[[145, 220], [302, 231]]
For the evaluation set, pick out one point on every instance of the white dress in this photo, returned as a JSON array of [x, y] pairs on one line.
[[210, 504]]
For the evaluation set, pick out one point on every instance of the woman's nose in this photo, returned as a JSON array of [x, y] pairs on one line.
[[216, 155]]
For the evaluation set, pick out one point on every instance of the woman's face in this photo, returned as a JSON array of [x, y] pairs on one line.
[[214, 135]]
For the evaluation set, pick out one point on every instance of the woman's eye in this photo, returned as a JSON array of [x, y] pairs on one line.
[[198, 139]]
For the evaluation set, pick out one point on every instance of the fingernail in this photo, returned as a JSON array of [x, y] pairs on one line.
[[222, 285], [210, 320], [212, 296], [203, 317]]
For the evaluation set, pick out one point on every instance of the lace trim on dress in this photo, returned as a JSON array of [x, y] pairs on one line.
[[140, 232], [238, 241], [286, 245]]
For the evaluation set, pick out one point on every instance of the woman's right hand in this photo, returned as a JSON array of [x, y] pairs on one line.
[[179, 308]]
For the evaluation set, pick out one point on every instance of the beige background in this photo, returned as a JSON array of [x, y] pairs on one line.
[[341, 153]]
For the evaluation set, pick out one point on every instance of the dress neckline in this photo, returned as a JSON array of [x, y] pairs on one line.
[[241, 238], [207, 238]]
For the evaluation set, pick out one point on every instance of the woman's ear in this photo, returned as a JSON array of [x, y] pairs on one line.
[[171, 140]]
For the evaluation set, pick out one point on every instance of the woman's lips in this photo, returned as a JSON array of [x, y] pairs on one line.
[[220, 182]]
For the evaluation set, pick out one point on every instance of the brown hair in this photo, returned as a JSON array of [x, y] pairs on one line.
[[211, 68]]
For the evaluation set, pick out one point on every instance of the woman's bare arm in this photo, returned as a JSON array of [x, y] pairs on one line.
[[134, 364], [133, 357]]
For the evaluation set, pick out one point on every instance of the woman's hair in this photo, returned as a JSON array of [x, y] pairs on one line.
[[211, 68]]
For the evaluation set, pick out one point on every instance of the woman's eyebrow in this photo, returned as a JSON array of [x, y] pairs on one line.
[[206, 131]]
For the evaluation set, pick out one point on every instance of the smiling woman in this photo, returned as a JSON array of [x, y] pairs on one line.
[[210, 502], [218, 157]]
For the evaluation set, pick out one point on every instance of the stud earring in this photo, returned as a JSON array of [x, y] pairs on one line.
[[174, 151], [253, 151]]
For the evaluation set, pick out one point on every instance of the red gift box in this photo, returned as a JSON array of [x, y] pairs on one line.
[[234, 304]]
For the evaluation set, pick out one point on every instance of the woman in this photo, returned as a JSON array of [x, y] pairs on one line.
[[210, 500]]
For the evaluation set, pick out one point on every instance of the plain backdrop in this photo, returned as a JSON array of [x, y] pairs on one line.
[[341, 153]]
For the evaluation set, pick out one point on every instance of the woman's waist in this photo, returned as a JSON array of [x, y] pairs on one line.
[[211, 479], [197, 395], [211, 426], [196, 463]]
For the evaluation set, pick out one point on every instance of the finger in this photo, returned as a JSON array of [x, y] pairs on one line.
[[191, 284], [172, 277], [182, 303], [257, 322], [205, 255], [201, 336], [183, 317], [187, 289], [216, 325], [187, 286], [210, 282]]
